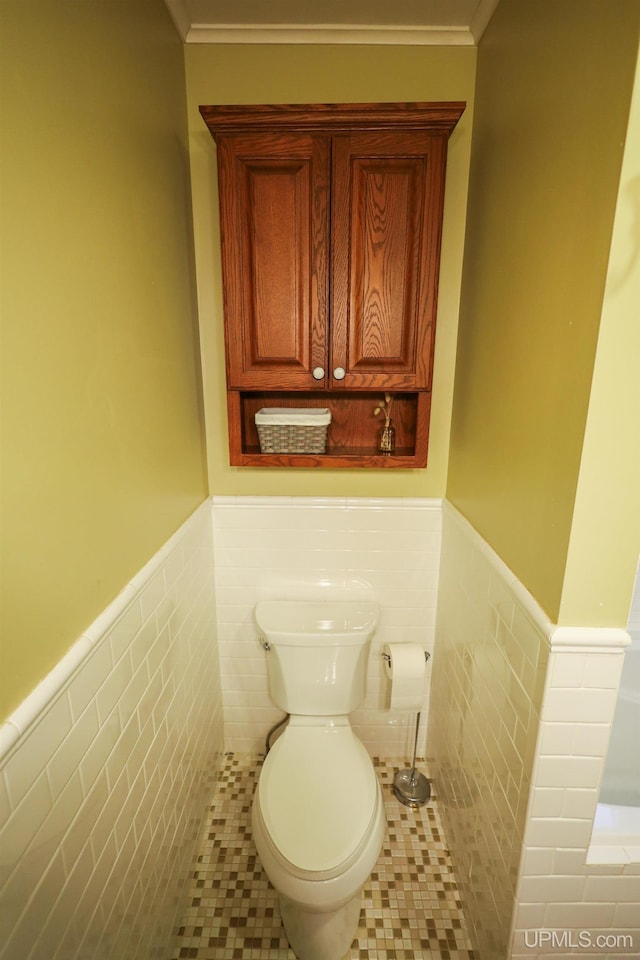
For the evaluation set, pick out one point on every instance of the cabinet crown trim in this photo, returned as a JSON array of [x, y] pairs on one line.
[[333, 117]]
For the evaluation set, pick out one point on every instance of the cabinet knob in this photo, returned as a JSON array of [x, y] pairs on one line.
[[339, 373], [318, 373]]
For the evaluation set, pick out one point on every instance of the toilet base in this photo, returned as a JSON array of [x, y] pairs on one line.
[[320, 936]]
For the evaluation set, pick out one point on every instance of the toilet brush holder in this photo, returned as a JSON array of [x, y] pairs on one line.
[[410, 786]]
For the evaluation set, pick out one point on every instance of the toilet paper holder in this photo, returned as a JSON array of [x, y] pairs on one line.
[[387, 657], [410, 786]]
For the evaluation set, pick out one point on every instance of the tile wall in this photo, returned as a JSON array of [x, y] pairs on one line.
[[385, 549], [564, 903], [101, 767], [520, 717], [488, 678]]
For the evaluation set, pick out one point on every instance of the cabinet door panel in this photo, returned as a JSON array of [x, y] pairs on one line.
[[387, 203], [273, 201]]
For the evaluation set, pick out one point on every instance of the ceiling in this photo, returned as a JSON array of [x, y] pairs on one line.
[[452, 22]]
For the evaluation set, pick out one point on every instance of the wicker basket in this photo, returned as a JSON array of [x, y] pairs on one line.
[[284, 430]]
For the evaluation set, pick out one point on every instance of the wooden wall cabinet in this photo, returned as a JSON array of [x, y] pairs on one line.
[[331, 219]]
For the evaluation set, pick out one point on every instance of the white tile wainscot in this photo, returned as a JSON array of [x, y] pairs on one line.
[[385, 549], [101, 770], [521, 714], [559, 892], [491, 659]]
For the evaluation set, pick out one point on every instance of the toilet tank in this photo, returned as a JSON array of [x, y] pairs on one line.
[[317, 653]]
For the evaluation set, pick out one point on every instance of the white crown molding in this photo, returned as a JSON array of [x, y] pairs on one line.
[[196, 22], [351, 503], [179, 16], [341, 33], [483, 14]]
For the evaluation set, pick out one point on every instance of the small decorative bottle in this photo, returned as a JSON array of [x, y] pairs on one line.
[[387, 436]]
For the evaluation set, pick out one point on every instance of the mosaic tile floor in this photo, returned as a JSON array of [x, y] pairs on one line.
[[411, 909]]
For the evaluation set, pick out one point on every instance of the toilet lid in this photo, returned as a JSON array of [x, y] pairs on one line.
[[317, 793]]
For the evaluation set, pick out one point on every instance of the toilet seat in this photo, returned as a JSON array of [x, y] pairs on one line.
[[318, 796]]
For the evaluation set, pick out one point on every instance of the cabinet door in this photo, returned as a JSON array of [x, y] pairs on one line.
[[274, 191], [386, 215]]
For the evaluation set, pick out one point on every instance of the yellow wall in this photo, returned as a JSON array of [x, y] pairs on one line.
[[289, 74], [102, 446], [102, 451], [605, 536], [552, 100]]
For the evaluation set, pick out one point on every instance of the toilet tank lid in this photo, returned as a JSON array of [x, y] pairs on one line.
[[318, 794], [305, 623]]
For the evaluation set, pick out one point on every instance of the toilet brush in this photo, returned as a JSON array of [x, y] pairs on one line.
[[410, 786]]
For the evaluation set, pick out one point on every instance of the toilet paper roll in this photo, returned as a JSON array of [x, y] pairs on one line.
[[406, 667]]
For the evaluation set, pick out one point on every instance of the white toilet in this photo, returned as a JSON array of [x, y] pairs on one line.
[[318, 814]]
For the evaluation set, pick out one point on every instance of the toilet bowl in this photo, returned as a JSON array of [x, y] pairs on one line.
[[318, 814]]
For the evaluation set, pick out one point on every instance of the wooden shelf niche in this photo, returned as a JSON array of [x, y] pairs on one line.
[[353, 432]]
